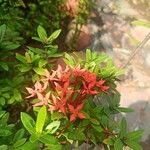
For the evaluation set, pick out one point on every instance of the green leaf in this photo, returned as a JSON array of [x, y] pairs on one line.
[[30, 146], [11, 46], [5, 132], [134, 135], [97, 128], [118, 145], [76, 135], [56, 147], [28, 122], [19, 142], [34, 137], [41, 117], [21, 58], [109, 141], [39, 71], [69, 60], [4, 66], [88, 55], [3, 147], [2, 113], [48, 139], [54, 35], [141, 23], [125, 110], [19, 134], [2, 101], [52, 127], [134, 145], [2, 31], [6, 95], [42, 63], [24, 67], [94, 121], [17, 95], [37, 39], [57, 116], [41, 33], [123, 128], [35, 50]]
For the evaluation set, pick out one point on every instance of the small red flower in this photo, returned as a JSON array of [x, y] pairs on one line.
[[75, 112], [58, 104]]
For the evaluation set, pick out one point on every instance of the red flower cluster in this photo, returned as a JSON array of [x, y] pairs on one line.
[[66, 90]]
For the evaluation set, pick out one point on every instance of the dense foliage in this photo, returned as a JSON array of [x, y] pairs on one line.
[[45, 105]]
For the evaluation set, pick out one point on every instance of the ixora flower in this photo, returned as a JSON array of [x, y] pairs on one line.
[[76, 112], [38, 88], [67, 90]]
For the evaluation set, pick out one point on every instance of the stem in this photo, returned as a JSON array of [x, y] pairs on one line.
[[139, 47]]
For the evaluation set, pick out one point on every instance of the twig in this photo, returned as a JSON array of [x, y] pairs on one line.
[[139, 47]]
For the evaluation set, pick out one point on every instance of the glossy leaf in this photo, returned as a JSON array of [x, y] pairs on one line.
[[28, 122], [54, 35], [41, 33], [41, 117]]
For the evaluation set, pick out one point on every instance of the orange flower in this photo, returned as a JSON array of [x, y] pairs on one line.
[[75, 112]]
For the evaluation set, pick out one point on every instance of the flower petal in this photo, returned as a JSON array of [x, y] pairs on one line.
[[72, 118], [81, 115]]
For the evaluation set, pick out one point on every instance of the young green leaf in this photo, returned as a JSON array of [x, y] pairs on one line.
[[54, 35], [53, 126], [42, 63], [41, 117], [28, 122], [69, 60], [39, 71], [41, 33], [88, 55]]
